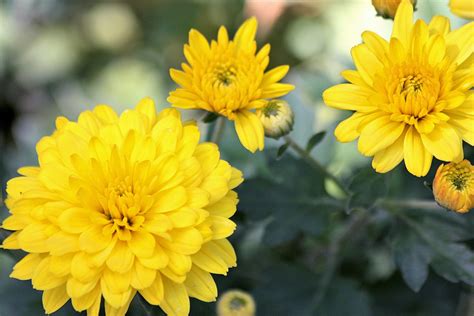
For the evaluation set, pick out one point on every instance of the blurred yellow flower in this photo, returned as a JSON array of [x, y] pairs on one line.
[[277, 118], [388, 8], [462, 8], [411, 95], [228, 77], [120, 205], [236, 303], [453, 186]]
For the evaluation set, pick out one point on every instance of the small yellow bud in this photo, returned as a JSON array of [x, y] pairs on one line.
[[462, 8], [235, 303], [277, 118], [453, 186], [388, 8]]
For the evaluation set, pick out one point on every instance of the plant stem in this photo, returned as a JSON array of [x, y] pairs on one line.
[[218, 130], [414, 204], [314, 163], [332, 262]]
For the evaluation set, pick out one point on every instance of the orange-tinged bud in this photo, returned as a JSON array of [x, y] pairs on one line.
[[277, 118], [236, 303], [388, 8], [453, 186]]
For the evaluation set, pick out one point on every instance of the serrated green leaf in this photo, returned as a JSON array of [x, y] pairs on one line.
[[367, 187], [412, 256], [314, 140]]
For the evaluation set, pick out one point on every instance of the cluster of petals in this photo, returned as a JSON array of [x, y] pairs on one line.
[[121, 205], [228, 77], [411, 96]]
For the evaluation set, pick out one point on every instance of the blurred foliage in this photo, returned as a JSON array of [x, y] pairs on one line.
[[302, 249]]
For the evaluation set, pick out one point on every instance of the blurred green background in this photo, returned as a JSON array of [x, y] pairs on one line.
[[62, 57]]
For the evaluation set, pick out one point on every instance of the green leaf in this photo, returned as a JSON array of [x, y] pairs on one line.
[[451, 260], [367, 186], [294, 200], [412, 256], [345, 297], [282, 149], [314, 140]]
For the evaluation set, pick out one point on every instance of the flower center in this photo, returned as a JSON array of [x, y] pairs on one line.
[[237, 303], [122, 209], [225, 74], [460, 177]]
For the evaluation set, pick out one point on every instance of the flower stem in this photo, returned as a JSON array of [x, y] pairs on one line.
[[218, 130], [332, 262], [315, 164], [413, 204]]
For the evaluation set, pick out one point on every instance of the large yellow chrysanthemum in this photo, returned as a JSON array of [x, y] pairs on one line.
[[411, 95], [229, 79], [120, 205]]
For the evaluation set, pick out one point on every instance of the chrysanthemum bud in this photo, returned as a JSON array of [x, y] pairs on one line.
[[236, 303], [388, 8], [277, 118], [453, 186]]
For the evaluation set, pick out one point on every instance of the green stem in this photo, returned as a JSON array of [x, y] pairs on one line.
[[218, 130], [333, 260], [315, 164], [413, 204]]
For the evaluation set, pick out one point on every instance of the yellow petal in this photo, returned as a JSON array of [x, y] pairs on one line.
[[54, 299], [147, 107], [199, 284], [403, 22], [24, 269], [276, 90], [121, 258], [154, 293], [171, 199], [348, 97], [417, 158], [142, 277], [439, 25], [366, 62], [245, 35], [176, 299], [142, 243], [274, 75], [388, 158], [347, 130], [379, 134], [460, 43], [443, 142], [216, 257], [250, 130], [225, 207], [376, 44]]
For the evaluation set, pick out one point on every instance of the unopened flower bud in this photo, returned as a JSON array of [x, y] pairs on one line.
[[453, 186], [388, 8], [277, 118], [236, 303]]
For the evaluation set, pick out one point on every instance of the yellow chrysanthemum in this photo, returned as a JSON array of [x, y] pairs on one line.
[[411, 95], [462, 8], [388, 8], [453, 186], [228, 77], [120, 205]]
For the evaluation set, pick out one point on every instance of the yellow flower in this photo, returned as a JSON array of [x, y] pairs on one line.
[[453, 186], [120, 205], [228, 77], [235, 303], [410, 95], [388, 8], [462, 8], [277, 118]]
